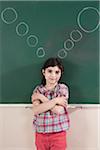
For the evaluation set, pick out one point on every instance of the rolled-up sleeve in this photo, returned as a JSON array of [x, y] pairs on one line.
[[64, 91], [36, 89]]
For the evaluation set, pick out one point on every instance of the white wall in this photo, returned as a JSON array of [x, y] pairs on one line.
[[16, 131]]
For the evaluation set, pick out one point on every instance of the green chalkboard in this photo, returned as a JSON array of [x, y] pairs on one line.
[[32, 31]]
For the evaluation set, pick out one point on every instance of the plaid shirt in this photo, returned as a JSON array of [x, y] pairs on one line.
[[49, 122]]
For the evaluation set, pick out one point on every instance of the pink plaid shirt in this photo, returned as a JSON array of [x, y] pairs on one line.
[[49, 122]]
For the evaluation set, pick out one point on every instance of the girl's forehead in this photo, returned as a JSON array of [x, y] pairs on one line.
[[53, 68]]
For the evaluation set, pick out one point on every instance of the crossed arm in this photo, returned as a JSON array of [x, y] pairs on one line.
[[42, 104]]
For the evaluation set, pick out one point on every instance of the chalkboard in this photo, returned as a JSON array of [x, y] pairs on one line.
[[32, 31]]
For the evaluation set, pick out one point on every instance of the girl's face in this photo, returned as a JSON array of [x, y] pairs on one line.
[[52, 75]]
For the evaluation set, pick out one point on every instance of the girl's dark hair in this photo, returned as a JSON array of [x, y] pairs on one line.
[[51, 62]]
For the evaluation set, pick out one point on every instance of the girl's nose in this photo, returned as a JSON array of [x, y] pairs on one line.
[[53, 74]]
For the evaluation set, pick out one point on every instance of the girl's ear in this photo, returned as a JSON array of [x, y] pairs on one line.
[[43, 71]]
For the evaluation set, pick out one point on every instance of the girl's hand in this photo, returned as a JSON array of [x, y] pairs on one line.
[[34, 97], [43, 98], [38, 96], [61, 101], [36, 102]]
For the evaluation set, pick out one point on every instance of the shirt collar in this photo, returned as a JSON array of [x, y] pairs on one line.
[[55, 89]]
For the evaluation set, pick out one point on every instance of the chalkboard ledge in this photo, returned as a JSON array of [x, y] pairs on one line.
[[73, 106]]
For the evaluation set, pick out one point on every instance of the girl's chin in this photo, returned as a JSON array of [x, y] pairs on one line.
[[52, 82]]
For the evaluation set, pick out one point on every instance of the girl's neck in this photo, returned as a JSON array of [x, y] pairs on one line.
[[50, 86]]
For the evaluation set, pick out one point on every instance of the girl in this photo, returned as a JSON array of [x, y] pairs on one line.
[[50, 100]]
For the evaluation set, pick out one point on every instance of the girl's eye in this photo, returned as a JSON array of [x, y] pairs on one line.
[[50, 71], [57, 72]]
